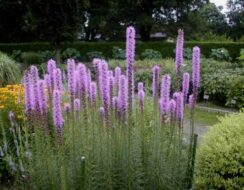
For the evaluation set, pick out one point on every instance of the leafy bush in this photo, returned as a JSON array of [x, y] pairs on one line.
[[241, 58], [165, 48], [187, 53], [118, 53], [31, 58], [46, 55], [220, 54], [220, 158], [151, 54], [9, 70], [70, 53], [95, 54]]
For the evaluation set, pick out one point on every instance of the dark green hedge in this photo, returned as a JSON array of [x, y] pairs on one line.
[[165, 48]]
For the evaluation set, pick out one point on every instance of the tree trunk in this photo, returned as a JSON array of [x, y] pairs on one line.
[[145, 32]]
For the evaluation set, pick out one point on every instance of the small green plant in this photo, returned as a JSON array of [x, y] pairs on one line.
[[151, 54], [220, 54], [70, 53], [31, 58], [9, 70], [118, 53], [220, 157], [95, 54]]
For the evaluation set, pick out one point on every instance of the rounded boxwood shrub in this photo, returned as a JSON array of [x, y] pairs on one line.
[[220, 157], [220, 54], [9, 70], [70, 53], [151, 54]]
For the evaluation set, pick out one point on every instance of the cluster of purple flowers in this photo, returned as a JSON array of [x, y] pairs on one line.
[[112, 88]]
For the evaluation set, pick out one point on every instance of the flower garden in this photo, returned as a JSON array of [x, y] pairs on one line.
[[113, 124]]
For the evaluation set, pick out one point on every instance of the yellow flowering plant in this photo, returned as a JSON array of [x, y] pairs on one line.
[[12, 99]]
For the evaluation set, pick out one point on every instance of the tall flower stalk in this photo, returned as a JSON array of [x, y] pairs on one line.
[[130, 59], [57, 112], [155, 85], [179, 55]]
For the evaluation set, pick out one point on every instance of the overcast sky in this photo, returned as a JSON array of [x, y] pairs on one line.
[[220, 2]]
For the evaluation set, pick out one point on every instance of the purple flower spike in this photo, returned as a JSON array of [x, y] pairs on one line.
[[117, 72], [28, 93], [165, 94], [180, 108], [122, 105], [191, 102], [71, 77], [130, 58], [82, 81], [57, 112], [195, 69], [51, 65], [35, 78], [179, 51], [155, 85], [48, 83], [172, 108], [77, 105], [57, 80], [88, 81], [111, 86], [93, 92], [185, 85], [104, 86], [67, 108], [140, 86], [141, 95], [42, 99]]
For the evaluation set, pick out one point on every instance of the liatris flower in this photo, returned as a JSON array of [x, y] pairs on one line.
[[77, 105], [57, 112], [179, 51], [185, 85], [35, 78], [82, 81], [96, 62], [172, 108], [195, 69], [117, 73], [71, 77], [88, 81], [93, 92], [48, 83], [191, 101], [180, 108], [164, 99], [141, 96], [130, 58], [155, 85], [42, 100], [104, 86], [122, 102], [140, 86], [51, 65], [57, 80], [28, 93], [111, 86], [67, 108]]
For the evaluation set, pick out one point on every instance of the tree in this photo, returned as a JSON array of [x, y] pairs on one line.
[[236, 18]]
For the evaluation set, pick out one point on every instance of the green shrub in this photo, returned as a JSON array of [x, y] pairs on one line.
[[151, 54], [220, 157], [118, 53], [165, 48], [46, 55], [70, 53], [9, 70], [95, 54], [241, 58], [31, 58], [220, 54]]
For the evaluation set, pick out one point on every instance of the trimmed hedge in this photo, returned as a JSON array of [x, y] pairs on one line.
[[165, 48]]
